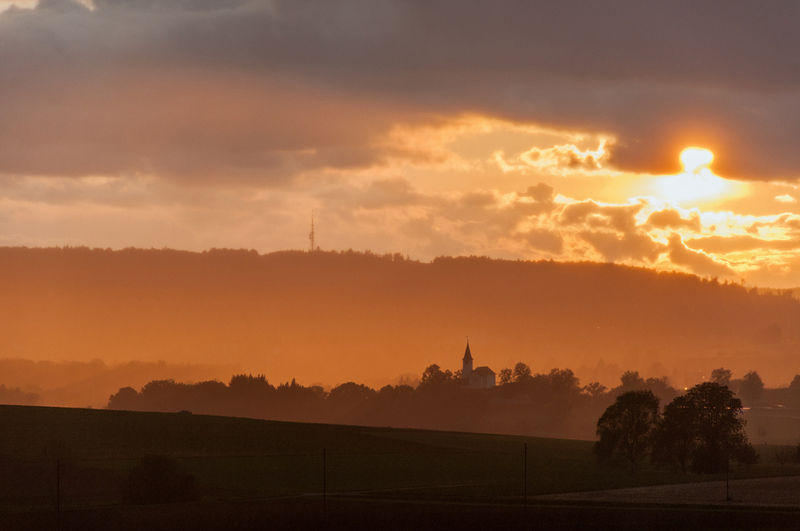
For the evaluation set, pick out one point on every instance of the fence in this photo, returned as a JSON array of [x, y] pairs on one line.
[[452, 474]]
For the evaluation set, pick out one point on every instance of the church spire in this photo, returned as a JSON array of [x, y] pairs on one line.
[[466, 364]]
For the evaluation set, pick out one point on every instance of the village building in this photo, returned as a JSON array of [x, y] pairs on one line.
[[478, 378]]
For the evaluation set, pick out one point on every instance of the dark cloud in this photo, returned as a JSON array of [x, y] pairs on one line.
[[257, 90], [695, 261]]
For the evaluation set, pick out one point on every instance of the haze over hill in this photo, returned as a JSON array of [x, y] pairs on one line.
[[89, 383], [332, 317]]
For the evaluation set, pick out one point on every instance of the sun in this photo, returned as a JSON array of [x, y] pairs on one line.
[[696, 183], [695, 159]]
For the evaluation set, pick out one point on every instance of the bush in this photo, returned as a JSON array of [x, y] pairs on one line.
[[783, 456], [160, 479]]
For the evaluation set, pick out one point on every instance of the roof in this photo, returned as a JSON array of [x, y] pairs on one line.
[[483, 371], [467, 354]]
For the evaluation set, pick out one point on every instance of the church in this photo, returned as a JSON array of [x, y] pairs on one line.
[[478, 378]]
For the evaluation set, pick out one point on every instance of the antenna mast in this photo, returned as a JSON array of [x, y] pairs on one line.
[[312, 235]]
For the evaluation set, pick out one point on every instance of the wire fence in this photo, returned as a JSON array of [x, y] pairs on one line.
[[508, 476], [65, 482]]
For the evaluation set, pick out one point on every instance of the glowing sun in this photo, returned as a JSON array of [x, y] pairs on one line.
[[695, 159], [697, 183]]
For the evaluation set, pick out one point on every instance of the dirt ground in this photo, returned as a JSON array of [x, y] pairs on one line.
[[775, 491]]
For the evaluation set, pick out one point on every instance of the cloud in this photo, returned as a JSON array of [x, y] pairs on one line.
[[114, 92], [557, 159], [672, 219], [636, 246], [696, 261], [394, 215], [731, 244], [541, 193], [621, 218], [385, 193], [372, 113], [240, 90], [544, 240]]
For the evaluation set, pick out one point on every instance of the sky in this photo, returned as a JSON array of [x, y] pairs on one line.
[[550, 130]]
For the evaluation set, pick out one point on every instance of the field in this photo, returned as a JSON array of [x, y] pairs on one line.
[[79, 459], [782, 491]]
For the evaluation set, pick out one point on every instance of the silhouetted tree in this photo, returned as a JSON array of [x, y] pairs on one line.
[[707, 423], [521, 372], [631, 381], [721, 376], [793, 392], [594, 389], [505, 376], [676, 434], [625, 430], [348, 402], [562, 386], [15, 395], [752, 387], [661, 388], [249, 384], [351, 392], [434, 375], [125, 398]]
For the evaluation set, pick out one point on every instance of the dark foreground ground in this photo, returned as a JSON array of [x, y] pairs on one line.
[[772, 492], [353, 514], [254, 474]]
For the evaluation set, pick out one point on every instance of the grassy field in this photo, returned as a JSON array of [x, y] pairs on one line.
[[236, 458]]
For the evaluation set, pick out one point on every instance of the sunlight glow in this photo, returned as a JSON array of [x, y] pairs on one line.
[[697, 183], [695, 159]]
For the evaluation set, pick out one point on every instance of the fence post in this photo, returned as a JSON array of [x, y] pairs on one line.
[[324, 480], [58, 494], [525, 474], [727, 478]]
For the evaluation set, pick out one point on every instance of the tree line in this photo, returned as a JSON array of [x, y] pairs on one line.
[[702, 430], [553, 404]]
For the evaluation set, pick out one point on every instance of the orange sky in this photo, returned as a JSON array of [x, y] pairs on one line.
[[196, 125]]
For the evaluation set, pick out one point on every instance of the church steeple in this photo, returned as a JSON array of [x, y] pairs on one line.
[[467, 353], [466, 363]]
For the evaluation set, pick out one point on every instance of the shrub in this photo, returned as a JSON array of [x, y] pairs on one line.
[[160, 479]]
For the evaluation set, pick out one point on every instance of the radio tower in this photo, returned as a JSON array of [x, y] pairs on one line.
[[312, 235]]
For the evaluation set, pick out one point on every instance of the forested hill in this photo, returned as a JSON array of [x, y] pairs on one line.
[[332, 317]]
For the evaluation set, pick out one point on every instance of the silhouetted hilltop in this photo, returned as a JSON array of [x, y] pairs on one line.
[[332, 317]]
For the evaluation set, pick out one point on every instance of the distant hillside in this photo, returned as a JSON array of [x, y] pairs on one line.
[[89, 383], [332, 317]]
